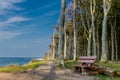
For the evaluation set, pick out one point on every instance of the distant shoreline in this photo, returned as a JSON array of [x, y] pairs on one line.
[[6, 61]]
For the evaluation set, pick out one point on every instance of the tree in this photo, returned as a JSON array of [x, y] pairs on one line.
[[92, 10], [106, 8], [61, 35], [65, 42], [74, 30]]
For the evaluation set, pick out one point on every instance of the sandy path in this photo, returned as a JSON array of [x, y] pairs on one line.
[[45, 72]]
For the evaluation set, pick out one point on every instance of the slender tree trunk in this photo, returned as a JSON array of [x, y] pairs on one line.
[[65, 42], [53, 52], [61, 35], [104, 40], [98, 45], [106, 8], [89, 42], [116, 46], [92, 9], [74, 55], [70, 51], [112, 43], [74, 32]]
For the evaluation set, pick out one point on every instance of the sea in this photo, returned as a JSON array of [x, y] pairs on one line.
[[5, 61]]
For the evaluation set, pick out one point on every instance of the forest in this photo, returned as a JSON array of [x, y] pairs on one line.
[[87, 27]]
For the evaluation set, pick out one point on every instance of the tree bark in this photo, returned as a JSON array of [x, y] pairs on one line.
[[74, 32], [61, 35], [116, 46], [89, 42], [65, 42], [92, 10], [98, 44], [53, 52], [106, 8], [112, 43]]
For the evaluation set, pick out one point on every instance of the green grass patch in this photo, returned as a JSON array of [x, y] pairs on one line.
[[70, 63], [113, 66], [16, 68]]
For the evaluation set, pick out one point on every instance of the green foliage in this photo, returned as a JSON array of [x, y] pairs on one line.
[[16, 68], [70, 63], [115, 66], [11, 68], [103, 77], [111, 65]]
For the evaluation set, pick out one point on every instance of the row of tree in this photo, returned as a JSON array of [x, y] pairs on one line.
[[87, 27]]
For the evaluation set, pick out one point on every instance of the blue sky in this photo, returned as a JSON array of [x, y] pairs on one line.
[[26, 26]]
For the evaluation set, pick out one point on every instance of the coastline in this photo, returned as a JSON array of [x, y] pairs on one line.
[[38, 58], [40, 69], [32, 64], [6, 61], [44, 72]]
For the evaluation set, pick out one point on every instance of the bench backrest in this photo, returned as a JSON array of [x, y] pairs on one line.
[[87, 59]]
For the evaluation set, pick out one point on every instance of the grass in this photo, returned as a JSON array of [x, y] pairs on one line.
[[69, 64], [16, 68], [113, 66]]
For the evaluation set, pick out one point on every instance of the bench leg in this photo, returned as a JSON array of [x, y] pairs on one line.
[[84, 71]]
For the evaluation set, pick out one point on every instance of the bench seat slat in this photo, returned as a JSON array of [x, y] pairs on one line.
[[86, 61]]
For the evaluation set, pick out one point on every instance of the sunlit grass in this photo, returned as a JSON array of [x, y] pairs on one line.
[[113, 66], [69, 64], [16, 68]]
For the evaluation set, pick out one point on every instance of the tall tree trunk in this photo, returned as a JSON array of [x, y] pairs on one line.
[[53, 52], [92, 10], [89, 42], [115, 34], [65, 42], [61, 35], [112, 43], [70, 51], [98, 44], [74, 32], [74, 51], [116, 46], [104, 40], [106, 8]]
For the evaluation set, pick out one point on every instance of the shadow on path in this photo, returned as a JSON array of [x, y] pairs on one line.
[[51, 75]]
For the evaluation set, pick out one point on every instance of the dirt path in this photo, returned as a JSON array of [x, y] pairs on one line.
[[45, 72]]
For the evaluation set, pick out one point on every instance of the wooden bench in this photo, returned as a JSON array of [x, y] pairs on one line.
[[86, 65]]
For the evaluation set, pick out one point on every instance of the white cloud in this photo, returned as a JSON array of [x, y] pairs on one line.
[[5, 35], [13, 20], [17, 19], [6, 5]]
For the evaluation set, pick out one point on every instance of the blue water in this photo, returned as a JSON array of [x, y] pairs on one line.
[[5, 61]]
